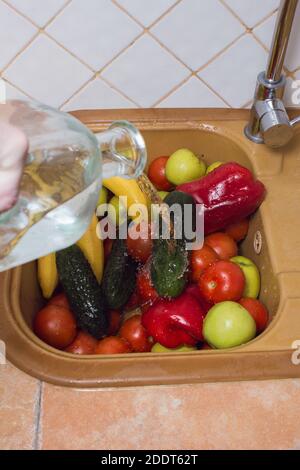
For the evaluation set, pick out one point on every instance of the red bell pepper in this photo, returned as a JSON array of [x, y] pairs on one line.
[[175, 322], [193, 289], [229, 194]]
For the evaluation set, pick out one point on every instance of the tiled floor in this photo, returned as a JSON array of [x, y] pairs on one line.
[[228, 416]]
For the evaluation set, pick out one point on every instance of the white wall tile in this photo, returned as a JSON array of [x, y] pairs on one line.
[[13, 93], [252, 11], [145, 72], [95, 33], [15, 33], [234, 73], [265, 30], [192, 94], [98, 95], [206, 36], [195, 31], [293, 53], [39, 11], [146, 12], [47, 72]]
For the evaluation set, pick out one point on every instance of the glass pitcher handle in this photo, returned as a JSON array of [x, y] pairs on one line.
[[123, 150]]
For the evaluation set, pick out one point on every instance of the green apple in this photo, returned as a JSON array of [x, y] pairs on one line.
[[158, 348], [184, 166], [213, 166], [116, 211], [252, 276], [162, 194], [228, 325]]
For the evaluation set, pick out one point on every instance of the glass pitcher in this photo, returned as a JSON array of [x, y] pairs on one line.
[[61, 180]]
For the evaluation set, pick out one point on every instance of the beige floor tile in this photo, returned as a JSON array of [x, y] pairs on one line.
[[210, 416], [19, 395]]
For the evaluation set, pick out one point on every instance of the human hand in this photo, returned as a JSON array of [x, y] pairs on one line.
[[13, 152]]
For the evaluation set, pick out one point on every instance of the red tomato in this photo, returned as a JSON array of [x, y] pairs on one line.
[[60, 300], [114, 322], [135, 334], [56, 326], [112, 345], [200, 260], [222, 244], [258, 311], [157, 174], [239, 230], [145, 288], [222, 281], [82, 344], [139, 248]]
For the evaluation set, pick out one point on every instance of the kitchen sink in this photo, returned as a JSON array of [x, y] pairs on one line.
[[273, 243]]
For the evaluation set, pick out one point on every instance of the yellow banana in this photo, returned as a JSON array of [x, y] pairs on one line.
[[125, 187], [47, 274], [92, 248]]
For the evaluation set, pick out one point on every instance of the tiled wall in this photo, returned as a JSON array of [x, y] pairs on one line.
[[139, 53]]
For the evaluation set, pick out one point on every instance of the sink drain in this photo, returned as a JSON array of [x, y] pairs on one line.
[[257, 242]]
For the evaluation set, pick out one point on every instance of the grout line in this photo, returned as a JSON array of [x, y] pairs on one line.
[[170, 92], [228, 8], [38, 412], [267, 49], [20, 52], [145, 31], [163, 46], [85, 84], [120, 91], [35, 36], [39, 31], [45, 33], [223, 2], [165, 13], [152, 35], [18, 88], [214, 91], [221, 52], [266, 18], [96, 76], [32, 21], [57, 14], [124, 49], [246, 105], [177, 87], [296, 70]]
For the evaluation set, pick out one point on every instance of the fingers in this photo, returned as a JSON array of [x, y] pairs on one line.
[[13, 152]]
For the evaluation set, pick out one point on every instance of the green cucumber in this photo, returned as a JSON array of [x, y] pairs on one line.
[[183, 200], [119, 278], [169, 266], [83, 291]]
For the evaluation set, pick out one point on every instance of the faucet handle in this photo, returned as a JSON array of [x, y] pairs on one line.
[[275, 125]]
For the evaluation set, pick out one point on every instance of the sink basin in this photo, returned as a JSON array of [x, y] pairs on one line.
[[273, 243]]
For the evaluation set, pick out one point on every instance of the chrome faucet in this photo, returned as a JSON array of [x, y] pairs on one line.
[[269, 122]]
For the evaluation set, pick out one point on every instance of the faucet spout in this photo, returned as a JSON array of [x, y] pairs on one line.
[[269, 122]]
